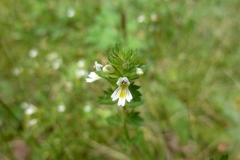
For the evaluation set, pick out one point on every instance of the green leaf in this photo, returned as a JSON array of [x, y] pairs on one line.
[[106, 98], [133, 118], [122, 61], [102, 74], [135, 93], [114, 120], [224, 157]]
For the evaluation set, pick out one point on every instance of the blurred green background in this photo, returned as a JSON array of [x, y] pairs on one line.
[[191, 89]]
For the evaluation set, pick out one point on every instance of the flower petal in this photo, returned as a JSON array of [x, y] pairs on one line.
[[119, 80], [92, 77], [129, 95], [98, 66], [116, 94], [121, 101]]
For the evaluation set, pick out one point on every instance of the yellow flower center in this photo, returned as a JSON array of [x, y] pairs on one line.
[[123, 92]]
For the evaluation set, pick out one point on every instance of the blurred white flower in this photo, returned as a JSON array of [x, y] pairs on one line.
[[24, 105], [57, 63], [80, 73], [122, 93], [16, 71], [32, 122], [154, 17], [51, 56], [141, 18], [87, 108], [31, 109], [68, 85], [70, 12], [81, 63], [33, 52], [54, 60], [139, 71], [61, 108], [92, 77]]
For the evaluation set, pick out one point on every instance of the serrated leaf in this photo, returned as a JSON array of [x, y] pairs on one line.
[[135, 93], [106, 98], [133, 118], [122, 61]]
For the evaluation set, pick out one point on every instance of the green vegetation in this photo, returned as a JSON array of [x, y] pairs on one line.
[[191, 89]]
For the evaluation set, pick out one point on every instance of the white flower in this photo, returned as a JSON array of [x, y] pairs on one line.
[[31, 109], [61, 108], [57, 63], [122, 93], [81, 63], [154, 17], [87, 108], [98, 66], [52, 56], [33, 52], [80, 73], [70, 12], [32, 122], [16, 71], [141, 18], [139, 71], [92, 77]]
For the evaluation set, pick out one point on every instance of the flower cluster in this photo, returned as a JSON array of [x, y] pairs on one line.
[[122, 93], [119, 71]]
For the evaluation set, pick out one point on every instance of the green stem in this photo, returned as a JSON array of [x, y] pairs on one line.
[[126, 129]]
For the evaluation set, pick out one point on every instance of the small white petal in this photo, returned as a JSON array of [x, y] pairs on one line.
[[89, 80], [92, 77], [98, 66], [116, 94], [121, 101], [129, 95], [119, 80]]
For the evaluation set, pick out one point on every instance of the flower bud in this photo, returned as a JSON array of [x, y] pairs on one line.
[[108, 69], [139, 71]]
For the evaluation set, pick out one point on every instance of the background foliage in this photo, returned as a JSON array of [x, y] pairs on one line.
[[191, 89]]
